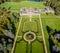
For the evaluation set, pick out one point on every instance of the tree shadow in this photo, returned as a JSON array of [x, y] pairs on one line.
[[53, 33], [51, 44], [49, 39], [56, 32], [48, 29]]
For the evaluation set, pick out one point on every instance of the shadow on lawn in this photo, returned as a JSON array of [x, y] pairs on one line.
[[50, 44], [49, 39], [51, 32]]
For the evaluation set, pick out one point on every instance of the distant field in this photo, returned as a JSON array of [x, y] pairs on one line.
[[15, 6]]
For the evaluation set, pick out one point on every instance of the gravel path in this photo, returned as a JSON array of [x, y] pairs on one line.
[[43, 34], [16, 35], [29, 41]]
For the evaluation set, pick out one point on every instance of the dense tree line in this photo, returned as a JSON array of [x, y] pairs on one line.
[[8, 22], [55, 4], [54, 39]]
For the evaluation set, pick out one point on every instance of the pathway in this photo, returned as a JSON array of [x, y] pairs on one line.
[[58, 16], [43, 34], [29, 41], [30, 17], [39, 36], [19, 36], [16, 35]]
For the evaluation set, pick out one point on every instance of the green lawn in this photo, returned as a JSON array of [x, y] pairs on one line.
[[53, 22], [36, 18], [24, 18], [37, 47], [30, 26], [15, 6], [35, 28], [23, 47], [20, 47]]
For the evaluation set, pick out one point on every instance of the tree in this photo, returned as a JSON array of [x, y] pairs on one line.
[[55, 4], [48, 2]]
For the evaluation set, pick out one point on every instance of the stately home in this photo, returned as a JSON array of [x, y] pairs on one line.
[[36, 10]]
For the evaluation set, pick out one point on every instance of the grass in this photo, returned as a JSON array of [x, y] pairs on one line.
[[33, 27], [16, 6], [30, 26], [53, 22], [23, 47], [37, 47], [20, 47], [24, 18], [34, 47], [48, 20], [36, 18]]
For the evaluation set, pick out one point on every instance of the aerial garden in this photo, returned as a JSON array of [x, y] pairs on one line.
[[29, 33]]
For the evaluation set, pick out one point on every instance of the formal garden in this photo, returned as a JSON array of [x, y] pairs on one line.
[[30, 36], [35, 29]]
